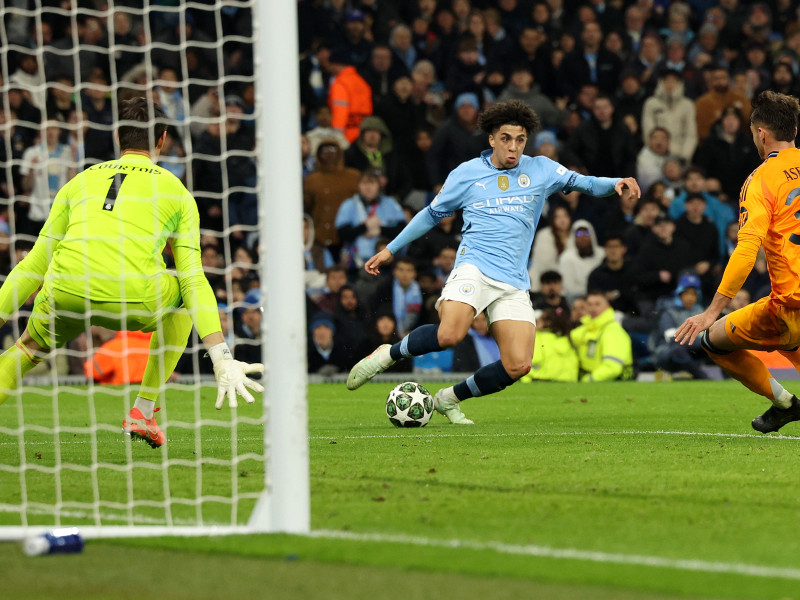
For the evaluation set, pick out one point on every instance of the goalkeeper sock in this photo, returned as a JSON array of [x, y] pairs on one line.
[[486, 380], [747, 368], [175, 329], [14, 363], [145, 406], [422, 340]]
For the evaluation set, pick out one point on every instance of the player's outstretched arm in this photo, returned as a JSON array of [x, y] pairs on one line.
[[199, 299], [25, 278]]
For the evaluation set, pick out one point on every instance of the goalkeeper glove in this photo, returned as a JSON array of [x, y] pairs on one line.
[[232, 376]]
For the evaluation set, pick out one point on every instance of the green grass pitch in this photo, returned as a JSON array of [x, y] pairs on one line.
[[620, 490]]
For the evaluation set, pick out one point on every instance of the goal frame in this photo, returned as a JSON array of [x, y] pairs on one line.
[[284, 503]]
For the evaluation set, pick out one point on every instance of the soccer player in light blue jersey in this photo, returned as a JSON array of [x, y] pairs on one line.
[[501, 195]]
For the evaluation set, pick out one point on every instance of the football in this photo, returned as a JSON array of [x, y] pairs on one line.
[[409, 405]]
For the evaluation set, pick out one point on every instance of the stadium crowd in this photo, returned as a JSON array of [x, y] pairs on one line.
[[390, 93]]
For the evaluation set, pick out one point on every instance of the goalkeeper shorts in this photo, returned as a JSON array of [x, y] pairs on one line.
[[59, 316]]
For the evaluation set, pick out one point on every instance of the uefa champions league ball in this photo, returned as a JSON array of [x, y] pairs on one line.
[[409, 405]]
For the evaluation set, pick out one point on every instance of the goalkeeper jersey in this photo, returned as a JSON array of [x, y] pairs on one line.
[[112, 222]]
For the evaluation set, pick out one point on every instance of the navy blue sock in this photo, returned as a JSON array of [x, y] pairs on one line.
[[486, 380], [420, 341]]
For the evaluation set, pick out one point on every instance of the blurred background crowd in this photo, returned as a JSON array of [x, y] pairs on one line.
[[390, 93]]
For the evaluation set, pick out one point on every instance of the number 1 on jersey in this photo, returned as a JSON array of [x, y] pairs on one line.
[[114, 185]]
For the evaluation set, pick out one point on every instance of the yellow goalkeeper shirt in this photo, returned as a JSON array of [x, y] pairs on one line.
[[105, 236]]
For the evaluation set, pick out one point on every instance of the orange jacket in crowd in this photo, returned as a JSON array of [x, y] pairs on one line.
[[350, 99], [120, 360]]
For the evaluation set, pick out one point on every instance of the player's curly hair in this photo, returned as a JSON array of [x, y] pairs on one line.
[[513, 112], [137, 137], [776, 113]]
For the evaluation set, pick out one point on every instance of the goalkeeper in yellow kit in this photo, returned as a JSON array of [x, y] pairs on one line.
[[99, 261]]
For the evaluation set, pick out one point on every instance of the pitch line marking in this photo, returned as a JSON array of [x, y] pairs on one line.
[[702, 566]]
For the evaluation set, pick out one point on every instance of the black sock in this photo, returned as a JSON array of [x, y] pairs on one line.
[[422, 340], [486, 380]]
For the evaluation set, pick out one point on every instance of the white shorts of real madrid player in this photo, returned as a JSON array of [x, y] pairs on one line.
[[501, 301]]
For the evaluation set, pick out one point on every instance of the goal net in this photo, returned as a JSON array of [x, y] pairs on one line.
[[225, 74]]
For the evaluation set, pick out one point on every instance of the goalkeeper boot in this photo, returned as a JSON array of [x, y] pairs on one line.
[[447, 404], [139, 428], [775, 417], [368, 367]]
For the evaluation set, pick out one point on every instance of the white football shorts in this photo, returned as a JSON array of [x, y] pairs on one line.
[[501, 301]]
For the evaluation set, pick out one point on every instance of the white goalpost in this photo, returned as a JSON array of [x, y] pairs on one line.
[[63, 460]]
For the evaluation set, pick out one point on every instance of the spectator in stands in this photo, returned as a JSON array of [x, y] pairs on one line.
[[120, 360], [400, 42], [351, 321], [703, 239], [374, 151], [248, 328], [382, 71], [170, 97], [590, 62], [522, 87], [582, 256], [366, 216], [669, 108], [402, 114], [446, 233], [728, 153], [46, 167], [634, 26], [551, 292], [720, 213], [629, 101], [554, 357], [325, 190], [650, 160], [709, 106], [335, 280], [349, 97], [27, 116], [384, 331], [60, 101], [477, 349], [466, 73], [205, 108], [536, 56], [549, 243], [415, 165], [657, 265], [669, 354], [603, 346], [353, 43], [326, 355], [457, 140], [401, 295], [317, 261], [97, 104], [324, 131], [614, 277], [784, 80], [646, 60], [604, 144]]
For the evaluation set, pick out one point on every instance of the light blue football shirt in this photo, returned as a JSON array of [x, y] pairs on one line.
[[501, 209]]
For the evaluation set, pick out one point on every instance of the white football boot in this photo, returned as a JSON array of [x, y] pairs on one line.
[[368, 367], [447, 404]]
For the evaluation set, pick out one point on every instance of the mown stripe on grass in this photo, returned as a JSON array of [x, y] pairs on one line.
[[571, 554], [713, 434]]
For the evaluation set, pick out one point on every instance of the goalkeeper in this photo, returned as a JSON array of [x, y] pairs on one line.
[[99, 261]]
